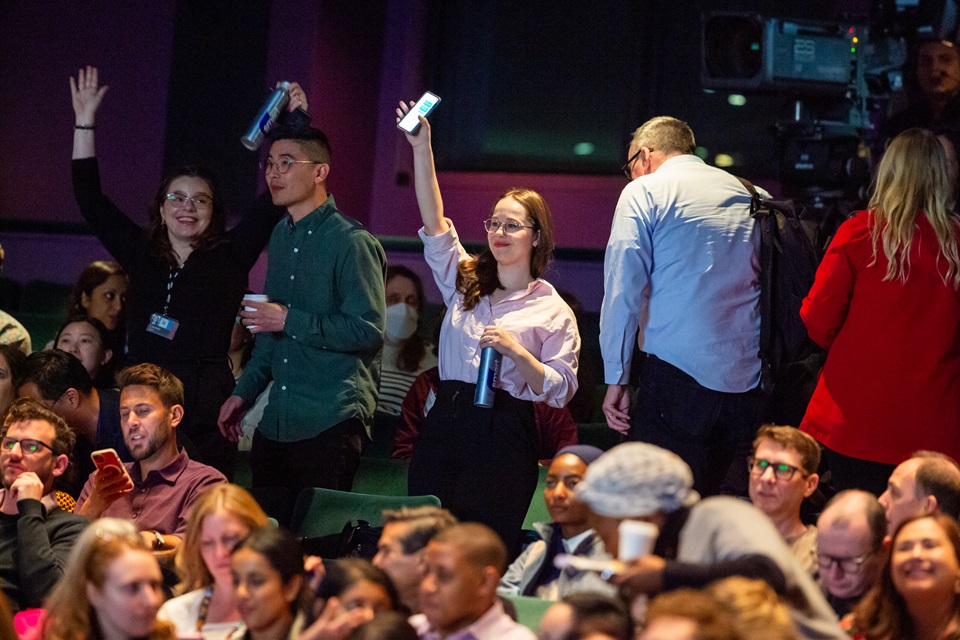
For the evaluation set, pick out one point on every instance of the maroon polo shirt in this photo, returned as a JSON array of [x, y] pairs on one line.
[[161, 501]]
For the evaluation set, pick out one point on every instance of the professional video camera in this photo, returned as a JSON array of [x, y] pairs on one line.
[[835, 75]]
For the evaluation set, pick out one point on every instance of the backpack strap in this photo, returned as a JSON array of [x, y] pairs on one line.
[[766, 257]]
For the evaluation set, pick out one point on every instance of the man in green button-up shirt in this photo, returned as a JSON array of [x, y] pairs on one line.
[[320, 336]]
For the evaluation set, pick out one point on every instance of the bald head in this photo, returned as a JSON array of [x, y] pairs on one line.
[[850, 544], [855, 509]]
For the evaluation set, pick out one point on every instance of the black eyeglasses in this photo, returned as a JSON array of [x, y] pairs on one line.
[[781, 470], [283, 165], [27, 445], [627, 169], [847, 564]]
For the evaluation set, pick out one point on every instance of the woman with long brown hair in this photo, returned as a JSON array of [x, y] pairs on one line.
[[482, 462]]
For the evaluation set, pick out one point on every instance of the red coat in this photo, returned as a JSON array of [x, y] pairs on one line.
[[891, 382]]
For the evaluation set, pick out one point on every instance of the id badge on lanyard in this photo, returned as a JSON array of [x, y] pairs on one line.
[[160, 323]]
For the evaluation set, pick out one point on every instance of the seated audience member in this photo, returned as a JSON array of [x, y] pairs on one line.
[[35, 534], [406, 532], [164, 482], [687, 614], [222, 516], [555, 427], [11, 368], [533, 573], [581, 614], [756, 608], [59, 381], [11, 331], [101, 292], [269, 585], [850, 547], [927, 482], [111, 588], [699, 540], [352, 592], [783, 473], [916, 596], [86, 338], [405, 353], [458, 594], [389, 625]]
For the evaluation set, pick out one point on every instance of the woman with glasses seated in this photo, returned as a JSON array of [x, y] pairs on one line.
[[482, 462], [187, 272]]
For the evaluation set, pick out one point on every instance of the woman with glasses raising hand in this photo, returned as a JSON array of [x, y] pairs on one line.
[[482, 462], [187, 272]]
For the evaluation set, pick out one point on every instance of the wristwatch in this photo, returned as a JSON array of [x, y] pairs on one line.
[[158, 541]]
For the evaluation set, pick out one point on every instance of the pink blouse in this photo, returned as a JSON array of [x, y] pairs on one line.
[[536, 317]]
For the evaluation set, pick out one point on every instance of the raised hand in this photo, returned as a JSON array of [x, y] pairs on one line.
[[87, 94], [421, 137]]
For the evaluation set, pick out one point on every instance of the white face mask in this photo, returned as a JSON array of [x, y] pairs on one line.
[[401, 322]]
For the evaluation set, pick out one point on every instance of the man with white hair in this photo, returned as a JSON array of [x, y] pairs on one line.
[[700, 540]]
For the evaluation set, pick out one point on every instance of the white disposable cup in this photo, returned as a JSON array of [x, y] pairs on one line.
[[255, 297], [636, 539]]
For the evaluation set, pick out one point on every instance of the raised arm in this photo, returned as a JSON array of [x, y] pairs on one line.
[[425, 176], [87, 95]]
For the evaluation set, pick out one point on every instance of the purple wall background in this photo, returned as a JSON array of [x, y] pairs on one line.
[[355, 63]]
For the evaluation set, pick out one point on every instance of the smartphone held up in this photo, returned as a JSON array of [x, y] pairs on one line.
[[411, 122]]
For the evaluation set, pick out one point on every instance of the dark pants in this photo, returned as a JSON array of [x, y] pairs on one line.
[[854, 473], [481, 463], [711, 430], [205, 389], [282, 469]]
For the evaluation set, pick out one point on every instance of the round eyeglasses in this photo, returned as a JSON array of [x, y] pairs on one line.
[[283, 165], [199, 201], [510, 227]]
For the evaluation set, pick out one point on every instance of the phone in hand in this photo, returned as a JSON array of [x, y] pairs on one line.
[[411, 122], [108, 459]]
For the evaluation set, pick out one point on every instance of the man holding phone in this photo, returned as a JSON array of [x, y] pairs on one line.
[[157, 490], [320, 337], [35, 534]]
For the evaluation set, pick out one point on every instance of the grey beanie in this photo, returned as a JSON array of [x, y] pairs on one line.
[[636, 479]]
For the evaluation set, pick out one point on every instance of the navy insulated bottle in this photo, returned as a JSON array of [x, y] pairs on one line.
[[487, 378], [267, 117]]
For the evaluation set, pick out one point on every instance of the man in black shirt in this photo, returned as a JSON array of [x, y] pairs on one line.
[[59, 381], [35, 534], [937, 106]]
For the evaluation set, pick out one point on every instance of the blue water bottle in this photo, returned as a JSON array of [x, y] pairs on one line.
[[267, 117], [487, 378]]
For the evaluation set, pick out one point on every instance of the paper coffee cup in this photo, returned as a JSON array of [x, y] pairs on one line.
[[255, 297], [636, 539]]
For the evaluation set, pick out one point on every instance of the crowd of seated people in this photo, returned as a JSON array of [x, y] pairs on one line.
[[117, 444]]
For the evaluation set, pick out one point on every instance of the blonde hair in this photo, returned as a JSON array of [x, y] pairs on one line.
[[70, 614], [191, 568], [758, 612], [912, 178]]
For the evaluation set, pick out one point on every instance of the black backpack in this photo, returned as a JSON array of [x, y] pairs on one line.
[[791, 248]]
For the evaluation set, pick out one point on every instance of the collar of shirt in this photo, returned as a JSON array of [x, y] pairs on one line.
[[315, 218], [493, 624], [168, 474], [572, 544]]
